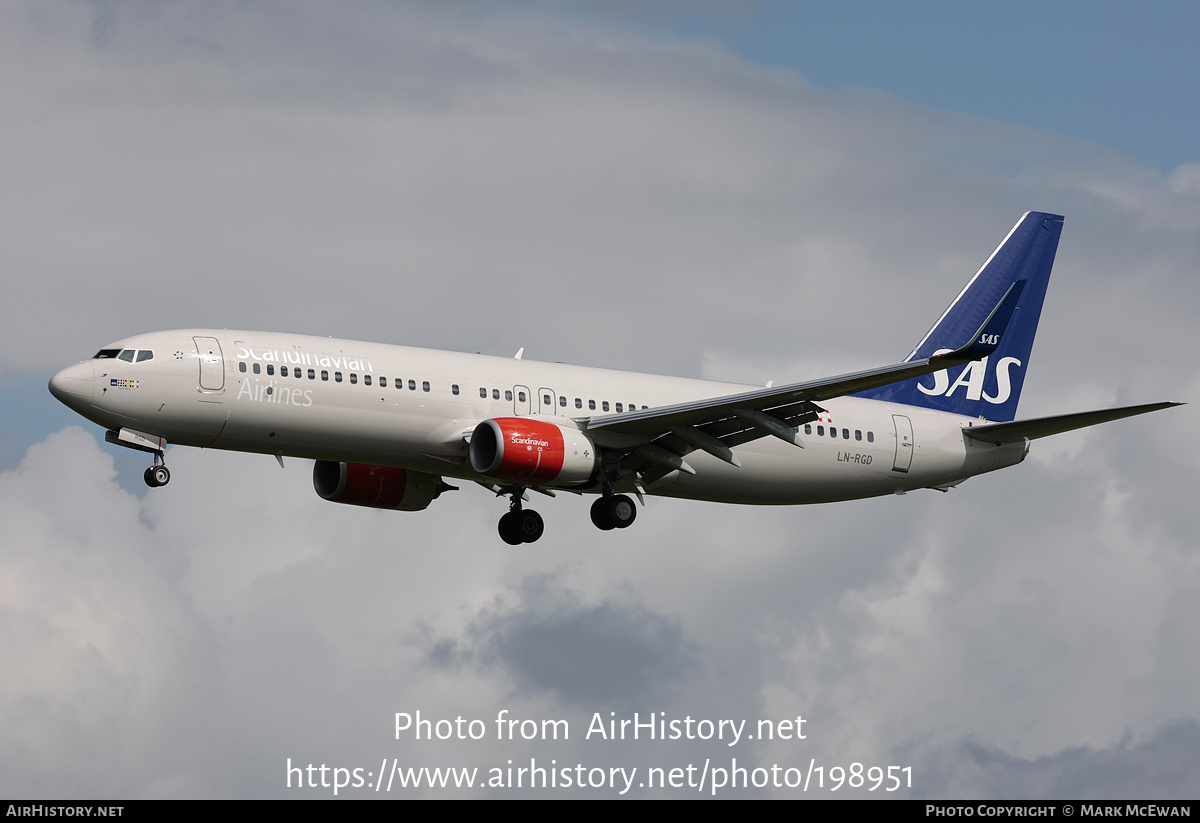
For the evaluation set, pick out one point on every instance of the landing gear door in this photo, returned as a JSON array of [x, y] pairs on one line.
[[904, 443], [212, 371]]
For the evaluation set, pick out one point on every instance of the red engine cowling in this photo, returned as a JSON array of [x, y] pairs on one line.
[[377, 487], [530, 451]]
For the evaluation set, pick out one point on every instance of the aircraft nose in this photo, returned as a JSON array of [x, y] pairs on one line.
[[73, 385]]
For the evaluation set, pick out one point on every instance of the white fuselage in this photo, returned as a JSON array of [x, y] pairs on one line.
[[385, 405]]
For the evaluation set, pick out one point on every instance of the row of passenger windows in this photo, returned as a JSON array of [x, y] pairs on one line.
[[548, 400], [128, 355], [399, 383], [833, 432], [298, 373]]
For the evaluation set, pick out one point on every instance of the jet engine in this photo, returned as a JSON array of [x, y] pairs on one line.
[[531, 451], [377, 487]]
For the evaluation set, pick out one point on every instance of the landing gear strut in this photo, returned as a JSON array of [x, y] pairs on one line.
[[158, 474], [520, 525], [615, 511]]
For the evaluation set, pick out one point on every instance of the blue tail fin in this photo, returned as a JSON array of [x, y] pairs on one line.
[[991, 387]]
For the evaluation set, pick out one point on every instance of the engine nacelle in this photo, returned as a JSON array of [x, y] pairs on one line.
[[531, 451], [377, 487]]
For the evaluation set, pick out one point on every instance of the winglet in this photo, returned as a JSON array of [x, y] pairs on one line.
[[987, 339]]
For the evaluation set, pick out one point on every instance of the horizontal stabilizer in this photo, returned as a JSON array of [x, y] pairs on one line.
[[1036, 427]]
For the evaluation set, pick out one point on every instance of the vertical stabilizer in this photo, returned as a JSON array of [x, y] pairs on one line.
[[991, 387]]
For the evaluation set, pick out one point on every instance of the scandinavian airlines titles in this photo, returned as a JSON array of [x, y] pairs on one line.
[[302, 358]]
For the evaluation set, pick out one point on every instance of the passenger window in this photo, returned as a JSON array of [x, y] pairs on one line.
[[562, 401], [604, 406], [495, 394], [324, 374], [283, 371], [337, 377], [353, 378], [620, 407], [870, 437], [383, 382], [507, 394], [546, 401], [412, 385], [820, 431], [592, 405], [858, 434], [366, 379], [578, 403], [271, 368], [145, 355], [808, 428], [521, 396], [845, 434], [425, 386], [242, 366], [483, 392], [257, 369], [454, 389]]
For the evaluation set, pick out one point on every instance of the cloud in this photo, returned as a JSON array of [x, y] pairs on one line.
[[609, 654], [106, 655], [1163, 766]]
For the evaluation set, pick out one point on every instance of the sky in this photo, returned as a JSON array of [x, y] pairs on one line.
[[749, 192]]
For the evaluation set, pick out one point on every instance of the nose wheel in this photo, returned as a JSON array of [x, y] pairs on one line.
[[158, 474]]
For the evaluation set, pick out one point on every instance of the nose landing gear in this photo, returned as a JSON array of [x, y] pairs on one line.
[[158, 474]]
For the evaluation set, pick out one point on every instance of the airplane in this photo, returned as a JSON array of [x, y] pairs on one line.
[[387, 424]]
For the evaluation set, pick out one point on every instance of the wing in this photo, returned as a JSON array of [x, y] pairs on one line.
[[716, 425]]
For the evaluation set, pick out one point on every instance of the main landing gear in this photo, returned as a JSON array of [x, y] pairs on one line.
[[616, 511], [158, 474], [520, 525]]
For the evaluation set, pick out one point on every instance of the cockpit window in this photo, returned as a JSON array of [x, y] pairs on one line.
[[106, 354], [126, 355], [145, 354]]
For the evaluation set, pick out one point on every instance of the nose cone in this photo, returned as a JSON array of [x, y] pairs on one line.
[[73, 385]]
